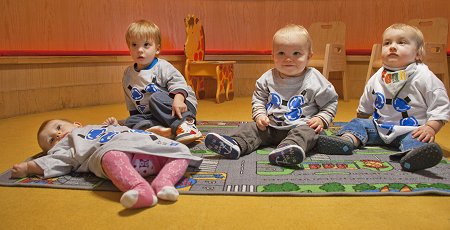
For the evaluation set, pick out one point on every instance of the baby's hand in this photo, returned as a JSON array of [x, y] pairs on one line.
[[316, 124], [262, 122], [19, 170], [110, 121], [424, 133]]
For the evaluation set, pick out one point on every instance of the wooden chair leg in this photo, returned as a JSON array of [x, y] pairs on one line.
[[220, 92], [344, 86], [200, 88], [229, 92]]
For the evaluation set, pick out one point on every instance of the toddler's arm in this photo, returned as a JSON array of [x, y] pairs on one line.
[[428, 131], [178, 105], [26, 168]]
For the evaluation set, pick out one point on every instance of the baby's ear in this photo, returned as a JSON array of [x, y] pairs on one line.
[[78, 124], [310, 55]]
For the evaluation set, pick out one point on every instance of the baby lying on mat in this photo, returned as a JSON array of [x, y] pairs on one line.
[[123, 155]]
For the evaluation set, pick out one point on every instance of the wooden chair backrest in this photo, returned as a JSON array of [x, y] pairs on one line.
[[435, 30], [326, 32], [194, 47]]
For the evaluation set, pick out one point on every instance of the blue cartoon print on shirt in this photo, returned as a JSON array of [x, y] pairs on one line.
[[152, 88], [95, 133], [400, 105], [274, 101], [107, 137], [379, 100], [294, 104], [136, 94]]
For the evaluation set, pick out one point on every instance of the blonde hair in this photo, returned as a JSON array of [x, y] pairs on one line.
[[293, 29], [417, 37], [143, 29]]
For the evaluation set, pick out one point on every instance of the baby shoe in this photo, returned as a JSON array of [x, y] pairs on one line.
[[333, 145], [223, 145], [424, 157], [187, 132], [287, 155]]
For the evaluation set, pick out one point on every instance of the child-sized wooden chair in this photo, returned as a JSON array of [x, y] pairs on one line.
[[328, 39], [197, 69], [435, 31], [375, 61]]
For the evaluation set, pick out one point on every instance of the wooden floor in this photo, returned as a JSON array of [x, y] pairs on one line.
[[38, 208]]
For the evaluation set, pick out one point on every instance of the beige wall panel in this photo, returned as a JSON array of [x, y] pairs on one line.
[[31, 88]]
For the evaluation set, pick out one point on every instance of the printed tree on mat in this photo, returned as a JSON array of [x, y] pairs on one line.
[[363, 187], [333, 187], [284, 187]]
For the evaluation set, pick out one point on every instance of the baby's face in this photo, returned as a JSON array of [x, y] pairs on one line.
[[290, 54], [143, 51], [53, 132], [399, 48]]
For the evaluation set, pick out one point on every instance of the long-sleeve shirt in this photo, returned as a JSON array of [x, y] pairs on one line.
[[292, 101], [423, 97], [162, 76], [82, 150]]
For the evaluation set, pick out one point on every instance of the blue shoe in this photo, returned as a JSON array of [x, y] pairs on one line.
[[288, 155], [223, 145], [333, 145], [424, 157]]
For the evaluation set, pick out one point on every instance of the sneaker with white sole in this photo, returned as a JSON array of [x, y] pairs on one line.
[[223, 145], [187, 132], [287, 155]]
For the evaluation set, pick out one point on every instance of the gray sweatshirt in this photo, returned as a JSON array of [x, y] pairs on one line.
[[292, 101]]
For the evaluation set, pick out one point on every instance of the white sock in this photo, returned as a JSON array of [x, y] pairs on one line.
[[130, 198], [169, 193]]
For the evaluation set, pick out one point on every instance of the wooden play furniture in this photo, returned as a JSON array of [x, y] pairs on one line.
[[197, 69], [329, 50]]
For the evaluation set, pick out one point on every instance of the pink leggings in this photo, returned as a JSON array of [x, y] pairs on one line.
[[119, 169]]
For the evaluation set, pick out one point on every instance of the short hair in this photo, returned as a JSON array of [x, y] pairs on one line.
[[295, 29], [143, 29], [417, 37]]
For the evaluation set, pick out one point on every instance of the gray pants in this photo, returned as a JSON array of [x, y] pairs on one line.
[[250, 138], [160, 114]]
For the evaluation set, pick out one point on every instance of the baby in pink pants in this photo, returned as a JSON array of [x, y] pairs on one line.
[[123, 155]]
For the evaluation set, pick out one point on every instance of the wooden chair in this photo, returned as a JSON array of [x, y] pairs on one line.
[[329, 50], [375, 61], [197, 69], [435, 31]]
